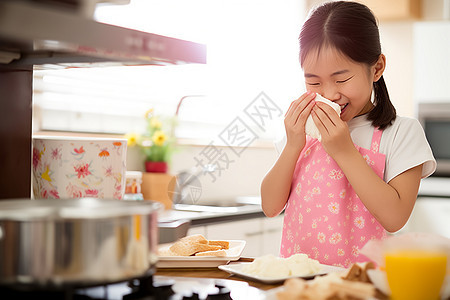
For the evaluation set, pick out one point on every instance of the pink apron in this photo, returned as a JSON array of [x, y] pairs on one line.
[[324, 217]]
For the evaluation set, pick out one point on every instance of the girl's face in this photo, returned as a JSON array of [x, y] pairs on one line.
[[340, 79]]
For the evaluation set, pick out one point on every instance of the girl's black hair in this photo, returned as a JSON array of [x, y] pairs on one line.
[[352, 29]]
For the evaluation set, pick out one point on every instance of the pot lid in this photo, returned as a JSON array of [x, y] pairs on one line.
[[77, 138], [82, 208]]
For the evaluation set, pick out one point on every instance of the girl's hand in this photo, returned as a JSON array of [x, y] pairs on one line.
[[336, 139], [295, 119]]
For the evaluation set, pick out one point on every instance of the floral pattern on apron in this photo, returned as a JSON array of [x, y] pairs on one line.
[[324, 217]]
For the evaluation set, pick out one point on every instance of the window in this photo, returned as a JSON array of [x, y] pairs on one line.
[[252, 48]]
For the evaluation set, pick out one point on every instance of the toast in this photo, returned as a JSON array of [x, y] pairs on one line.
[[353, 285], [198, 245], [224, 244], [195, 238], [218, 253], [325, 287], [190, 245], [358, 272]]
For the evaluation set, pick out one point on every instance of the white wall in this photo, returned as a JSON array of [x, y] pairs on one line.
[[241, 178], [260, 61], [431, 61], [397, 45], [244, 176]]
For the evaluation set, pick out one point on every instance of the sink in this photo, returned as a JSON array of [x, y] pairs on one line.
[[223, 205]]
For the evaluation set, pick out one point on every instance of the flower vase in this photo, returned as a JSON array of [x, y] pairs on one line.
[[156, 166]]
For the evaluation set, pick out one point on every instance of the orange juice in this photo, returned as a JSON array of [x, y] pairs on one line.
[[415, 274]]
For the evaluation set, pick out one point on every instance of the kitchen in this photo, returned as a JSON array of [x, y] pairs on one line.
[[259, 157]]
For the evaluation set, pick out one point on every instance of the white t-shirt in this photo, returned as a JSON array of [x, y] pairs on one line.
[[404, 144]]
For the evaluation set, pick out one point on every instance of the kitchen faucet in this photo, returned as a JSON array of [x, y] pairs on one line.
[[188, 187]]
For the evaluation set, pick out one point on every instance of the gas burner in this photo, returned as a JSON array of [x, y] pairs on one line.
[[144, 288], [140, 288], [221, 293], [202, 288]]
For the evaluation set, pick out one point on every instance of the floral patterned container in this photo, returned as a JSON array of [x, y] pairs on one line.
[[70, 167]]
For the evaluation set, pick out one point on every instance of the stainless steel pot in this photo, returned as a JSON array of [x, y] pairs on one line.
[[76, 242]]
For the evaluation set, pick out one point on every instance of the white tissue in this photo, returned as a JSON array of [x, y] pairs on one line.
[[310, 127]]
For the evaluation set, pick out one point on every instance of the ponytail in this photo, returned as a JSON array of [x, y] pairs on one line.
[[384, 113]]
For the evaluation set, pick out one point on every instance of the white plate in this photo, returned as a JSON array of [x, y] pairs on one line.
[[236, 269], [233, 254]]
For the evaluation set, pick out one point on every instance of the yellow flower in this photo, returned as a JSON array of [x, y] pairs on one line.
[[159, 138], [155, 123], [149, 113], [132, 139]]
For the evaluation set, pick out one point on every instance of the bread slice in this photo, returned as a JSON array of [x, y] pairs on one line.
[[192, 244], [220, 253], [195, 238], [223, 244], [352, 289], [358, 272], [294, 288]]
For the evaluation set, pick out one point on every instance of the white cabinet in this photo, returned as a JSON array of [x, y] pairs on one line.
[[272, 228], [248, 230], [430, 215], [262, 235], [387, 10], [431, 63]]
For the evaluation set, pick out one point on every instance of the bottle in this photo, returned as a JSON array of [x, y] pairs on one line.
[[133, 186]]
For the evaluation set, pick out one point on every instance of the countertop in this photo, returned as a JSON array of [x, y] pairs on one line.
[[200, 215], [240, 288], [213, 273], [435, 187], [175, 223], [204, 215]]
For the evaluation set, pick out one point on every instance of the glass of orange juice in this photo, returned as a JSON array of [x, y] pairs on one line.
[[415, 273]]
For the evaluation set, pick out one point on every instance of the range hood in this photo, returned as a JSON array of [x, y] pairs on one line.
[[41, 34], [32, 33]]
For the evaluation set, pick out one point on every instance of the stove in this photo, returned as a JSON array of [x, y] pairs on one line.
[[145, 288]]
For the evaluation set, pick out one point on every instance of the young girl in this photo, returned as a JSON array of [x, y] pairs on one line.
[[362, 178]]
